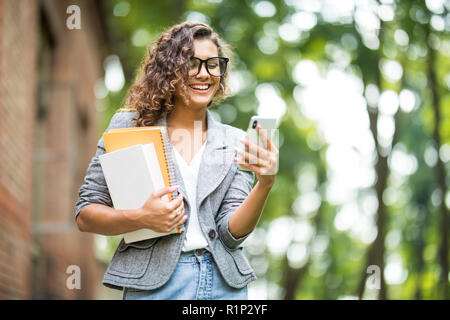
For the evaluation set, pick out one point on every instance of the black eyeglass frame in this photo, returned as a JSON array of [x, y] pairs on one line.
[[206, 65]]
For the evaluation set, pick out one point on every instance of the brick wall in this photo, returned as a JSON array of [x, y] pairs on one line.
[[48, 133], [17, 92]]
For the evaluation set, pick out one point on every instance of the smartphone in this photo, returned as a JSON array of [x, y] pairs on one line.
[[270, 126]]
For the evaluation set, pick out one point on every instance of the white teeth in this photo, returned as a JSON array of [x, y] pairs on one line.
[[205, 87]]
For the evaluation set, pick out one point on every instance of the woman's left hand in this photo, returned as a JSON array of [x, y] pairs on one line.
[[262, 161]]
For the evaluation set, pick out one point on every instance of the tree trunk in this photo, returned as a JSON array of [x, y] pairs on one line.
[[440, 169], [292, 279], [375, 254]]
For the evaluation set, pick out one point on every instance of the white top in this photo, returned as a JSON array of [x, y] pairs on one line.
[[194, 235]]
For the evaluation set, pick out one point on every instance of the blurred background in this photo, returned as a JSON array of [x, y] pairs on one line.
[[360, 207]]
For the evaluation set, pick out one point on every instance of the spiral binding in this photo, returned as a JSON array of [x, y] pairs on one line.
[[168, 158]]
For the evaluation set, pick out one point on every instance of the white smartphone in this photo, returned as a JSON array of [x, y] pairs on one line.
[[270, 126]]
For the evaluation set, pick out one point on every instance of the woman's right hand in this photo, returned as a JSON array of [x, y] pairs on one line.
[[160, 215]]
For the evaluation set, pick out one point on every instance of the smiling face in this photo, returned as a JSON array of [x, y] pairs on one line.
[[201, 88]]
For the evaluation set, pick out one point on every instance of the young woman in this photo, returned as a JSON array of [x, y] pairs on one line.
[[182, 75]]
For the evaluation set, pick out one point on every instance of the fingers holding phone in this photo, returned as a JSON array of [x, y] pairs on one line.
[[260, 153]]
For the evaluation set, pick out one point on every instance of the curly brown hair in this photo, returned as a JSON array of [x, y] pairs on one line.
[[165, 65]]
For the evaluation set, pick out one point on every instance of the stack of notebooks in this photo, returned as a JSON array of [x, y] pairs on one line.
[[137, 162]]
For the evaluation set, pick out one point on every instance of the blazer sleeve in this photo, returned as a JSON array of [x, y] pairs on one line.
[[238, 191], [94, 189]]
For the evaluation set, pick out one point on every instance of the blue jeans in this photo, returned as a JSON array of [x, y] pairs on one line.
[[196, 277]]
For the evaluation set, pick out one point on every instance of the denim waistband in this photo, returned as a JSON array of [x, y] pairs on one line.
[[195, 255]]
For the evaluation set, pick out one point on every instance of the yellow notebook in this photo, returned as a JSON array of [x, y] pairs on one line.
[[116, 139]]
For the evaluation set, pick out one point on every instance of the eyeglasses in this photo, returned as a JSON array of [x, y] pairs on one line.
[[216, 66]]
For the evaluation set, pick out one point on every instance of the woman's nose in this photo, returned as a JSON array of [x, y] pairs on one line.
[[203, 72]]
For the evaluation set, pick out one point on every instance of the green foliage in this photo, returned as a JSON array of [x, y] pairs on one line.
[[334, 272]]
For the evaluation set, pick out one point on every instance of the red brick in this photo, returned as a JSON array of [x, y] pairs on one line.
[[77, 65]]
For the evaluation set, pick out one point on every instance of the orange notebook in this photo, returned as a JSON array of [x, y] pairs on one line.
[[116, 139]]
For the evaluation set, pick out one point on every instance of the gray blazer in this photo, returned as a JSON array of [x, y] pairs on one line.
[[221, 188]]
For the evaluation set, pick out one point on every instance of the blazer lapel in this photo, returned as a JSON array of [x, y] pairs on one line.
[[216, 160]]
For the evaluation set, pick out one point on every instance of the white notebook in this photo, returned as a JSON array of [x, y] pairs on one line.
[[131, 175]]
